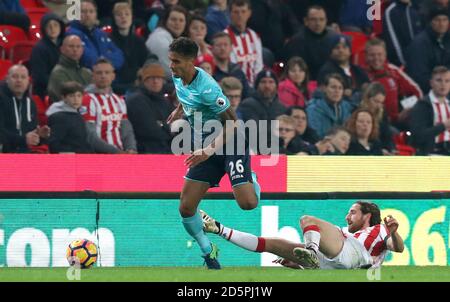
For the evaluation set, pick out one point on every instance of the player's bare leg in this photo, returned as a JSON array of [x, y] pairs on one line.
[[331, 238], [320, 236], [245, 196], [282, 248], [278, 246], [191, 195]]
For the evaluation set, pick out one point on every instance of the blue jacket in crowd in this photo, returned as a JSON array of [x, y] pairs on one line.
[[11, 6], [322, 117], [96, 44]]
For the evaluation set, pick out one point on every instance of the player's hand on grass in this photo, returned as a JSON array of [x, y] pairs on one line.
[[287, 263], [197, 157], [391, 223]]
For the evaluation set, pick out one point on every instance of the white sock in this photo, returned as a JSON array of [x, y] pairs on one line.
[[311, 234], [245, 240]]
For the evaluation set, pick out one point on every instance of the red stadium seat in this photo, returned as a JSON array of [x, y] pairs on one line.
[[9, 35], [21, 51], [35, 14], [359, 41], [4, 66], [31, 3], [2, 53], [34, 33], [401, 144]]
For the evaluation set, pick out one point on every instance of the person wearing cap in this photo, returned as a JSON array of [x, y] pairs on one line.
[[264, 104], [148, 109], [429, 49], [355, 78]]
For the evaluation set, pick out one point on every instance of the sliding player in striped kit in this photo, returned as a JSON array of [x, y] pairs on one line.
[[362, 244]]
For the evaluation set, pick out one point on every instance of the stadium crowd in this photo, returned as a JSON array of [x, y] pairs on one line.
[[337, 82]]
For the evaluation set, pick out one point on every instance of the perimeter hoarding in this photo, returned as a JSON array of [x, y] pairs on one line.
[[276, 174], [148, 232]]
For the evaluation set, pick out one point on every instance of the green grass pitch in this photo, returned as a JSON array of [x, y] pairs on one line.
[[233, 274]]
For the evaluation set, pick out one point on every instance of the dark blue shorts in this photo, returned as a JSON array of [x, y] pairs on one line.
[[211, 171]]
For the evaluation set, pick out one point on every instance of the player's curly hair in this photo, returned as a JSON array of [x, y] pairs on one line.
[[185, 47], [372, 208]]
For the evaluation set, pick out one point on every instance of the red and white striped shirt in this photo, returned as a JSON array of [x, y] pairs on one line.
[[247, 52], [441, 115], [107, 112], [373, 239]]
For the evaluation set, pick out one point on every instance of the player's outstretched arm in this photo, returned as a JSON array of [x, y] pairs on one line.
[[227, 131], [176, 114], [395, 241]]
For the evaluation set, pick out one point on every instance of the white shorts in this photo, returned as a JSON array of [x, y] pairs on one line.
[[353, 255]]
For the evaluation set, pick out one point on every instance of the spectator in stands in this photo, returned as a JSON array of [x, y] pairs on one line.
[[148, 111], [331, 109], [275, 24], [96, 42], [197, 31], [46, 52], [12, 13], [373, 100], [401, 23], [312, 42], [430, 117], [221, 49], [232, 88], [397, 84], [18, 117], [332, 8], [264, 105], [158, 10], [217, 17], [292, 144], [355, 78], [247, 47], [429, 49], [206, 62], [353, 16], [105, 7], [293, 88], [173, 26], [305, 132], [426, 6], [364, 130], [69, 134], [105, 113], [132, 46], [68, 68], [339, 138]]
